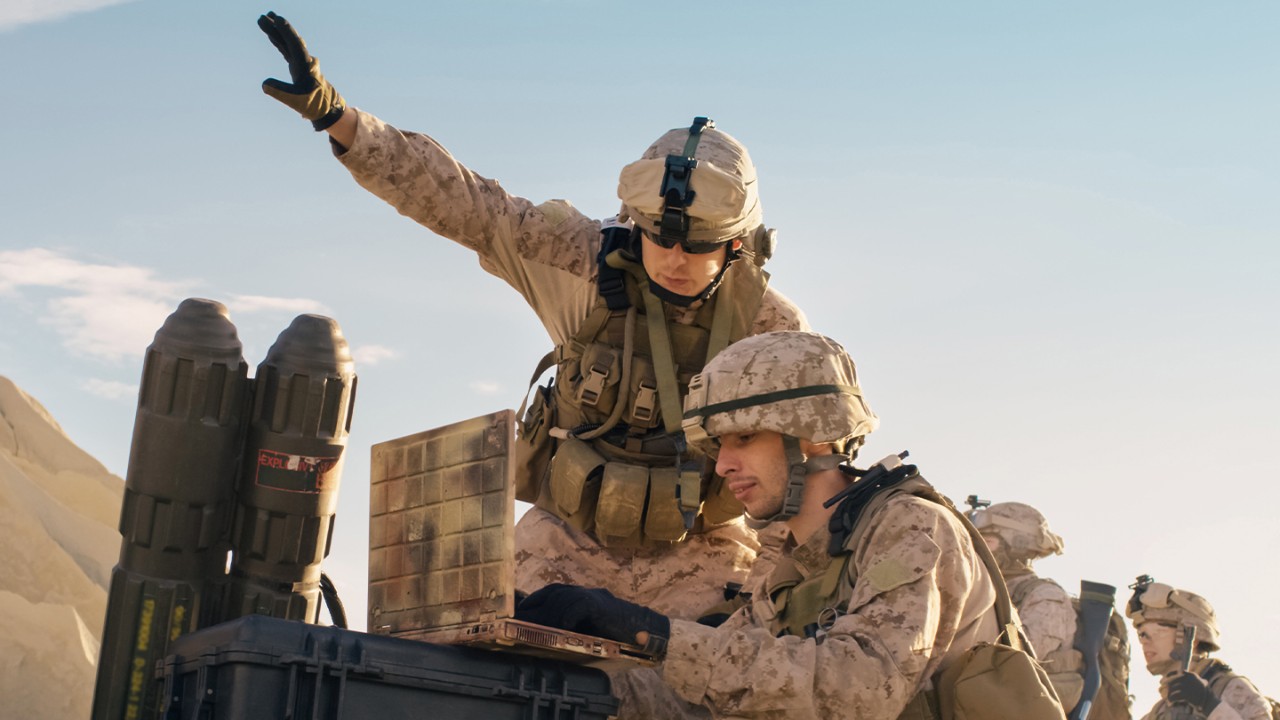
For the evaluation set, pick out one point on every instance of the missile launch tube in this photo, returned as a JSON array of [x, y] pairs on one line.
[[287, 490], [177, 503]]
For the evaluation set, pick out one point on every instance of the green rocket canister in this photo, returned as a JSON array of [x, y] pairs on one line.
[[177, 503], [287, 490]]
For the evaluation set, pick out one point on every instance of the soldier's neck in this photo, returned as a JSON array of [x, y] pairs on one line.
[[817, 488]]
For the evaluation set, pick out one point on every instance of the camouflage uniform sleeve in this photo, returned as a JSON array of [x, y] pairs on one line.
[[777, 312], [546, 252], [1048, 618], [1241, 697], [873, 660]]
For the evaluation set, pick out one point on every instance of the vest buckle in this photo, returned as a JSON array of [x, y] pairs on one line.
[[645, 407], [593, 385]]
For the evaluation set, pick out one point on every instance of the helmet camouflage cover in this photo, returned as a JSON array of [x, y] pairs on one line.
[[799, 384], [1162, 603], [725, 202], [1022, 529]]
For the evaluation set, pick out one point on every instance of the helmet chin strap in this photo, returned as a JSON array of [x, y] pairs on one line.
[[666, 295], [799, 468]]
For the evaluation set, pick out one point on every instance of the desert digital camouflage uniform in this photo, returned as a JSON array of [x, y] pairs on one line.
[[1047, 615], [921, 598], [547, 252], [1240, 699], [1049, 621]]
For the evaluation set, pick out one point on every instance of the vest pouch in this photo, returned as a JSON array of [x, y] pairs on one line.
[[595, 386], [996, 682], [534, 446], [1069, 686], [576, 470], [621, 506], [720, 506], [663, 520]]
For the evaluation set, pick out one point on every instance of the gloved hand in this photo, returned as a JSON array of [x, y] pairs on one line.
[[595, 612], [309, 94], [1191, 689]]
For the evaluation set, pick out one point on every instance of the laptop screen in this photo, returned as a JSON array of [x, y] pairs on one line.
[[442, 527]]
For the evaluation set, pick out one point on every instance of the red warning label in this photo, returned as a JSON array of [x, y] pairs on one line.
[[295, 473]]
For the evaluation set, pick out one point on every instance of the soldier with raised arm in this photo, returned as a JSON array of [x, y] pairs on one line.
[[634, 306]]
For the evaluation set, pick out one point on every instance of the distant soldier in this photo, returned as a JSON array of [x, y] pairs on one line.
[[872, 597], [1207, 688], [1017, 535]]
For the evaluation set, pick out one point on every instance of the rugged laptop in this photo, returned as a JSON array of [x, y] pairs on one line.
[[442, 546]]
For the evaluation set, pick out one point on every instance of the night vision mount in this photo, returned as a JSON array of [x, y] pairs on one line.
[[675, 190]]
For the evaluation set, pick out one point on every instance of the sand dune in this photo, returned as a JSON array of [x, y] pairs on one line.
[[58, 514]]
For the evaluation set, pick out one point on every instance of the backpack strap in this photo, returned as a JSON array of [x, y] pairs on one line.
[[610, 281], [889, 478], [1218, 675], [664, 364], [1010, 633]]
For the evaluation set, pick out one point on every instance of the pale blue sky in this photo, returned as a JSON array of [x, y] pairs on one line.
[[1047, 232]]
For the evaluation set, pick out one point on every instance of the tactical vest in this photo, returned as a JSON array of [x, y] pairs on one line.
[[612, 460]]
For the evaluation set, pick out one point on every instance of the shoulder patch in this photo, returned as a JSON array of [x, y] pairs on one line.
[[888, 574]]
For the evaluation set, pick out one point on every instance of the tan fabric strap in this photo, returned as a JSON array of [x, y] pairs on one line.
[[664, 364]]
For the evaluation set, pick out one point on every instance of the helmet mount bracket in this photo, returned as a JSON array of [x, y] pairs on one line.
[[675, 191]]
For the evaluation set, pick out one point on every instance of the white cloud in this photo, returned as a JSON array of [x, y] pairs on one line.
[[112, 312], [485, 387], [262, 303], [24, 12], [372, 354], [107, 311], [109, 389]]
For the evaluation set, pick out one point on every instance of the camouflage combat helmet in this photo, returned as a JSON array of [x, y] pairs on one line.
[[1161, 603], [1022, 530], [801, 385], [695, 187]]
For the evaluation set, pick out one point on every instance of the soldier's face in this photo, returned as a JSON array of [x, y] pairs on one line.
[[1156, 640], [754, 466], [678, 271]]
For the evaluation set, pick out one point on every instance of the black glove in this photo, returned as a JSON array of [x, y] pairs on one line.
[[595, 612], [309, 94], [1190, 689]]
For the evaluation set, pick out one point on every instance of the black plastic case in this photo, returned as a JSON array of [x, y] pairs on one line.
[[257, 667]]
